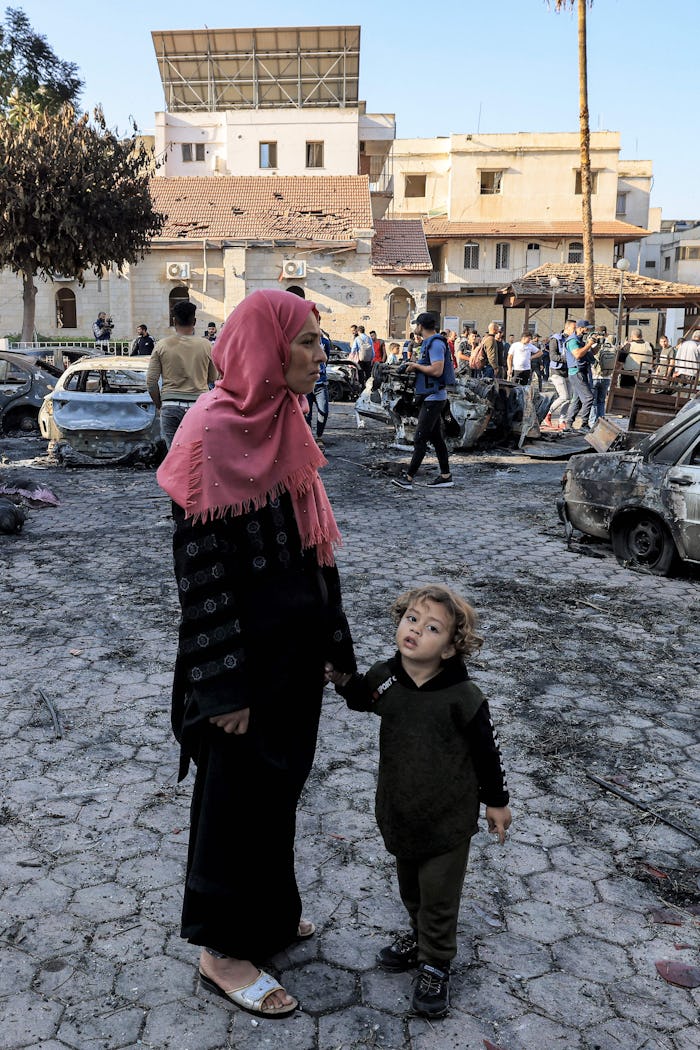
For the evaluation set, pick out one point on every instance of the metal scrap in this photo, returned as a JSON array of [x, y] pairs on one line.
[[58, 729]]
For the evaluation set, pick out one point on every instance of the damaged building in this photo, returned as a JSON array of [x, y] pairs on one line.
[[272, 173]]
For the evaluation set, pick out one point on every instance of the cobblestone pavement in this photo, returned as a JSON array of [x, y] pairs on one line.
[[589, 668]]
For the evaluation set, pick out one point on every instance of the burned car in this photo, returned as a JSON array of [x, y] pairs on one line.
[[343, 380], [645, 499], [474, 407], [24, 384], [100, 412]]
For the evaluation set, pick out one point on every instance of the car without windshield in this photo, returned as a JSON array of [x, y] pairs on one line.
[[24, 383], [100, 412], [645, 499]]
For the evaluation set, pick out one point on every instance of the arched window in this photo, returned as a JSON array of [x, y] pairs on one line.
[[575, 252], [66, 314], [471, 256], [179, 294]]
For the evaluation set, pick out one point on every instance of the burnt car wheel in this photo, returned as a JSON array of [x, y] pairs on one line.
[[642, 541], [21, 420], [335, 391]]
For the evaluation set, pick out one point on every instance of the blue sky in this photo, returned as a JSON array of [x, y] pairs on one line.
[[442, 67]]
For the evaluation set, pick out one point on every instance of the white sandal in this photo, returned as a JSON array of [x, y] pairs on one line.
[[252, 997]]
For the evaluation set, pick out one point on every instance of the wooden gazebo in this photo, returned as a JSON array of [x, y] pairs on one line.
[[533, 292]]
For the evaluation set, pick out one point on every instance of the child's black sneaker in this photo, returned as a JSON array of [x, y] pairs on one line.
[[431, 994], [441, 483], [400, 956]]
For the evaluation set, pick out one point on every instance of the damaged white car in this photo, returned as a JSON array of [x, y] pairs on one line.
[[645, 499], [101, 413]]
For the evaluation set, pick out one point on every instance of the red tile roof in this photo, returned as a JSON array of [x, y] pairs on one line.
[[399, 246], [620, 231], [263, 207], [534, 287]]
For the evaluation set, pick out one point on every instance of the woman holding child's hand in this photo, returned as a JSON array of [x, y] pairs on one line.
[[261, 614]]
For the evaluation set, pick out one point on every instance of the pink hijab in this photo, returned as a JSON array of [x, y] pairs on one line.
[[246, 441]]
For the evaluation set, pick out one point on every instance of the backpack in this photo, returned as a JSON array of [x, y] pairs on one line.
[[607, 357], [477, 358]]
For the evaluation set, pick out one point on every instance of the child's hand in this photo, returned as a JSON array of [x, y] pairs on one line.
[[336, 677], [499, 820]]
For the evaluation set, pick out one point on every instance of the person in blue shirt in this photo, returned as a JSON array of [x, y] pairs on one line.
[[432, 396]]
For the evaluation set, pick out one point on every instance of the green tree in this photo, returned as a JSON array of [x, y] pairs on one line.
[[73, 196], [29, 68], [585, 131]]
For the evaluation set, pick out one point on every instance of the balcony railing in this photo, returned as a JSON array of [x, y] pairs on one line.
[[477, 278]]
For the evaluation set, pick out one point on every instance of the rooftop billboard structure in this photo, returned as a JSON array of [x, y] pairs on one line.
[[222, 69]]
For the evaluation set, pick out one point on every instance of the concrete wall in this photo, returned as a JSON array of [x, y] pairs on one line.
[[231, 141], [341, 282], [539, 173]]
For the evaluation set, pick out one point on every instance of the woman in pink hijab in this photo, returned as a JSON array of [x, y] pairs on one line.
[[261, 614]]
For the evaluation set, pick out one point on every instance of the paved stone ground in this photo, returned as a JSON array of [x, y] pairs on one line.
[[589, 668]]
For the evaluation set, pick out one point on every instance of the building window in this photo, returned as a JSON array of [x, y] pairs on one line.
[[667, 262], [502, 256], [688, 253], [650, 264], [578, 187], [414, 186], [314, 154], [533, 247], [268, 154], [471, 256], [677, 254], [192, 151], [575, 252], [179, 294], [621, 206], [66, 314], [490, 181]]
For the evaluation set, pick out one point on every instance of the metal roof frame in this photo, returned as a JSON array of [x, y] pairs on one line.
[[297, 67]]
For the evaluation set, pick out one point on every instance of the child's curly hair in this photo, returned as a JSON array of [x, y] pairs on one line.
[[465, 639]]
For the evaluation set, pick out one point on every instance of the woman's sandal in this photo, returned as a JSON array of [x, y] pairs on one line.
[[251, 997], [307, 931]]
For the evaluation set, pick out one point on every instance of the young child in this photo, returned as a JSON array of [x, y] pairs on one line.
[[438, 760]]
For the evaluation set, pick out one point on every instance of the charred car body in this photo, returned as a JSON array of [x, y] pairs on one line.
[[100, 412], [474, 406], [645, 499], [24, 383]]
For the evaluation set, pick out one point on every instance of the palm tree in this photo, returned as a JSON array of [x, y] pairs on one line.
[[586, 210]]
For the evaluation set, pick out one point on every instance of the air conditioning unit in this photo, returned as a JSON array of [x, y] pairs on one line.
[[294, 268], [177, 271]]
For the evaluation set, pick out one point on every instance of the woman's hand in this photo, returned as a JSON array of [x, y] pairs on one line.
[[234, 722], [336, 677]]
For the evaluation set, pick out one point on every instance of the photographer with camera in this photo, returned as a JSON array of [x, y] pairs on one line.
[[102, 328], [580, 347]]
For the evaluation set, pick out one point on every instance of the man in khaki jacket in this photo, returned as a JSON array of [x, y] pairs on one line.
[[183, 363]]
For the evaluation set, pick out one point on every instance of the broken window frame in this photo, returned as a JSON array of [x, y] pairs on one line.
[[420, 180], [315, 150], [267, 155], [578, 183], [491, 181]]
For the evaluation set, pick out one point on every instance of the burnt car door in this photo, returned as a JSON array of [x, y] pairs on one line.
[[681, 492]]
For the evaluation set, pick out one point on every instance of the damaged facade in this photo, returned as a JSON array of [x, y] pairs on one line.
[[272, 173]]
